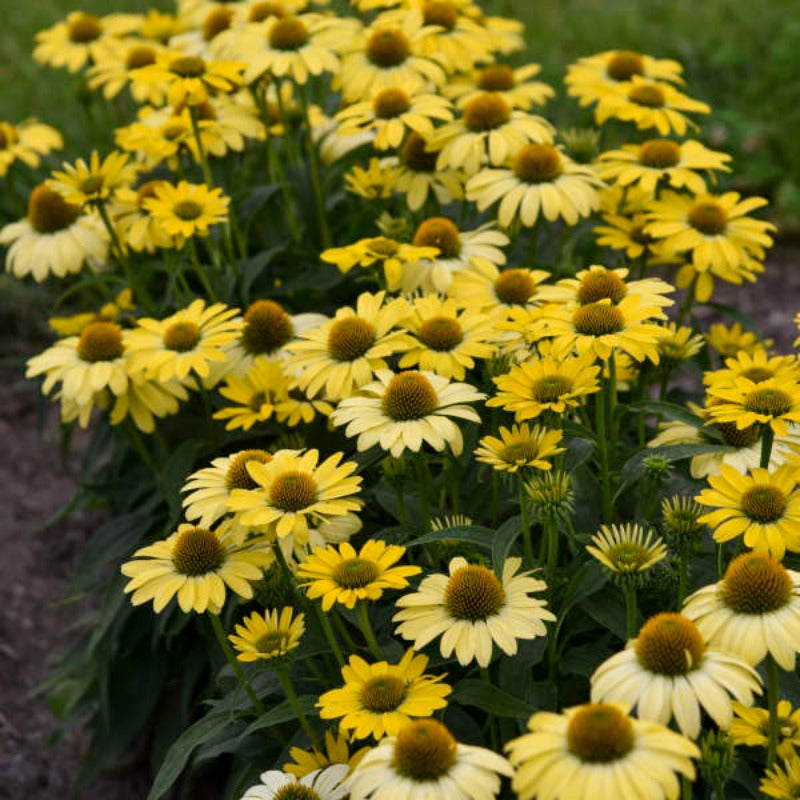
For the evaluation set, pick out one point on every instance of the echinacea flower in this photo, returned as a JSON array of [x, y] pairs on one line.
[[262, 637]]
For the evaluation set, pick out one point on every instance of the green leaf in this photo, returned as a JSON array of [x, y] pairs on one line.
[[252, 268], [283, 712], [671, 411], [490, 699], [176, 470], [474, 534], [204, 730], [504, 539], [579, 451], [256, 198]]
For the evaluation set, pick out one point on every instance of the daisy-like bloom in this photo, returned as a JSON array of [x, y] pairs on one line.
[[471, 609], [626, 233], [514, 85], [597, 750], [668, 671], [337, 751], [76, 41], [774, 402], [401, 411], [548, 384], [649, 104], [56, 238], [677, 163], [95, 182], [293, 489], [85, 364], [377, 251], [762, 507], [374, 183], [677, 345], [298, 407], [756, 366], [188, 209], [111, 72], [627, 549], [491, 289], [256, 396], [344, 576], [714, 233], [343, 353], [159, 136], [391, 113], [596, 329], [488, 131], [418, 176], [26, 142], [186, 342], [269, 635], [196, 565], [423, 761], [209, 488], [448, 340], [520, 447], [379, 699], [388, 53], [109, 312], [322, 784], [729, 341], [750, 727], [146, 400], [754, 611], [592, 76], [458, 250], [134, 224], [540, 179], [783, 782]]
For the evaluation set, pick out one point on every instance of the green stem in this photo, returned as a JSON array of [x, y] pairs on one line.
[[683, 574], [204, 166], [366, 628], [283, 677], [200, 272], [425, 482], [602, 453], [491, 721], [327, 630], [551, 534], [688, 301], [629, 589], [231, 658], [686, 788], [343, 632], [719, 787], [772, 701], [314, 170], [526, 523], [767, 437], [720, 560], [495, 498], [613, 426]]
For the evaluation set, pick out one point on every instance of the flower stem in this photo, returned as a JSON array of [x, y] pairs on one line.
[[613, 428], [720, 560], [772, 701], [206, 169], [491, 721], [425, 482], [327, 630], [526, 523], [291, 696], [366, 629], [200, 272], [683, 574], [767, 437], [629, 589], [602, 452], [314, 170], [688, 301], [231, 658], [551, 534]]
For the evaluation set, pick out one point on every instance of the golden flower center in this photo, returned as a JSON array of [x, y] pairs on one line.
[[84, 28], [381, 246], [388, 48], [271, 642], [496, 78], [598, 319], [486, 112], [537, 163], [267, 328], [237, 476], [601, 285], [257, 399], [140, 56], [414, 155], [197, 551], [350, 338], [514, 286], [550, 388], [599, 733], [624, 64], [473, 593], [147, 191], [628, 557], [383, 693], [187, 210], [764, 502], [756, 584], [100, 341], [187, 66], [173, 129], [203, 111], [520, 453], [648, 95], [436, 12], [295, 791], [391, 103], [408, 396], [738, 438], [670, 644], [6, 134], [217, 21], [49, 212], [708, 218], [441, 333], [439, 232], [424, 751], [261, 11], [758, 374], [355, 573], [293, 491], [659, 153], [288, 33], [181, 336], [92, 184], [770, 402]]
